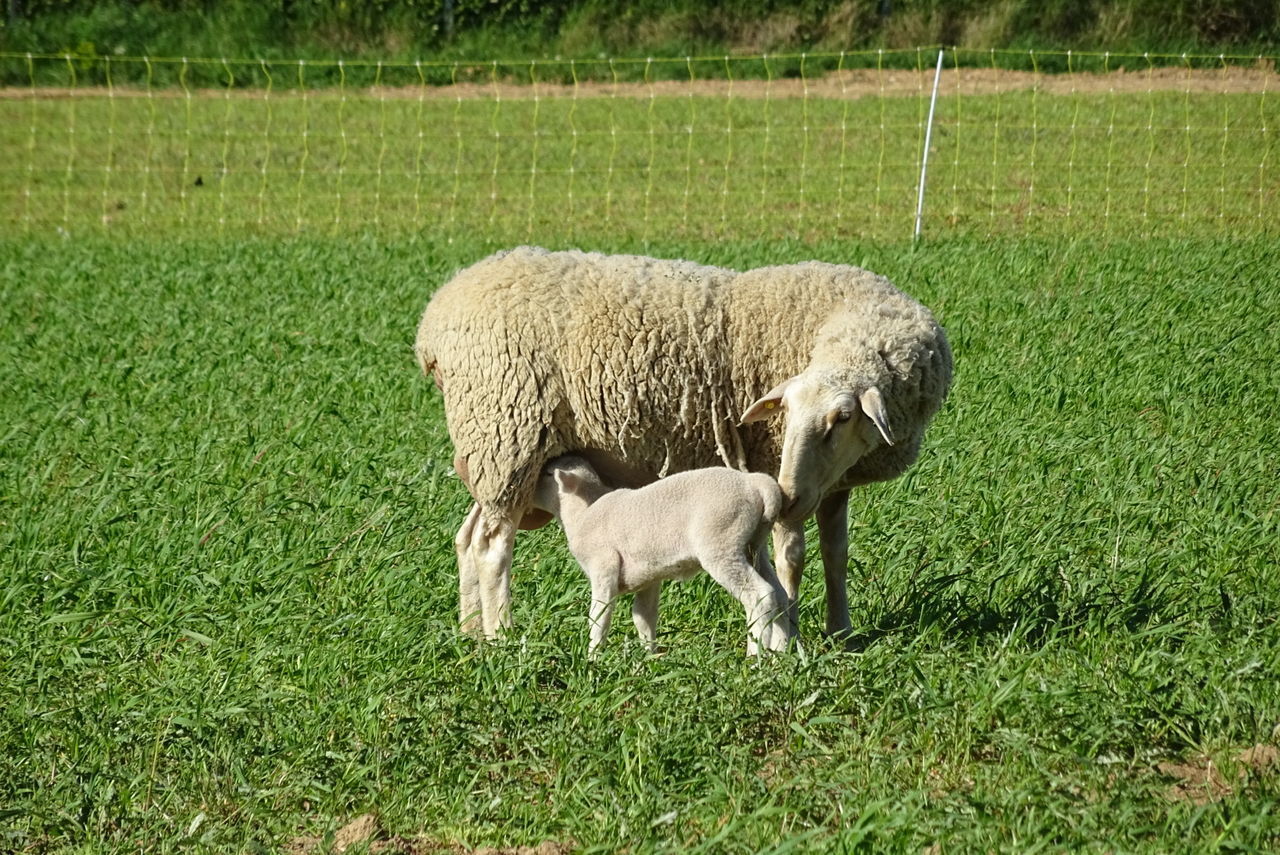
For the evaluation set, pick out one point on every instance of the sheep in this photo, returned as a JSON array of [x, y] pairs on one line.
[[642, 366], [630, 541]]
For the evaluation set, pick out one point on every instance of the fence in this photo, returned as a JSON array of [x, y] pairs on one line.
[[807, 146]]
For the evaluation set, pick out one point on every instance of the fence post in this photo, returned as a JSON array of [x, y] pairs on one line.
[[928, 135]]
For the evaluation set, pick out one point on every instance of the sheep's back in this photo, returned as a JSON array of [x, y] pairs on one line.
[[537, 353]]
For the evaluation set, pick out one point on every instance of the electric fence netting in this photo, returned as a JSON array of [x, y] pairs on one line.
[[808, 146]]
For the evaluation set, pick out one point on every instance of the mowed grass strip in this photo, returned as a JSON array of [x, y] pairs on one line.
[[228, 595]]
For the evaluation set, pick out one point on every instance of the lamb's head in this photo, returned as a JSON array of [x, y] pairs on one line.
[[832, 419], [568, 475]]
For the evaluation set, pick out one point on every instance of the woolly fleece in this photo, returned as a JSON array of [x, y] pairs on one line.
[[653, 362]]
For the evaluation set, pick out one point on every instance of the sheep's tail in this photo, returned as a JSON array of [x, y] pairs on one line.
[[425, 360]]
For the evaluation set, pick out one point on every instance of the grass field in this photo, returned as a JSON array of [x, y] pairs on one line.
[[529, 152], [227, 585], [227, 593]]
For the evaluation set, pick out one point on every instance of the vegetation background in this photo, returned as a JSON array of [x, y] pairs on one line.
[[518, 29]]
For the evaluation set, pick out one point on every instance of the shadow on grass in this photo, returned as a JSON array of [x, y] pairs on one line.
[[1037, 609]]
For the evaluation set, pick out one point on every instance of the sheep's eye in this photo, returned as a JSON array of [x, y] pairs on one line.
[[834, 418]]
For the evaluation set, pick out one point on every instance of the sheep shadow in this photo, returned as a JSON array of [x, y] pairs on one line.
[[1036, 608]]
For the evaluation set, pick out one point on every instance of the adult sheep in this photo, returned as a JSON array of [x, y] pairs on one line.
[[647, 366]]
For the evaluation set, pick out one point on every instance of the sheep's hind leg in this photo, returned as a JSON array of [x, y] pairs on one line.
[[833, 540], [782, 621], [470, 616], [492, 542], [644, 614]]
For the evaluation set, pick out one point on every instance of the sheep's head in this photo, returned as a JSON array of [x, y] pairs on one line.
[[832, 419]]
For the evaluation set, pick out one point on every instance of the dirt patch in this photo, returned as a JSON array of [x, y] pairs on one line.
[[544, 848], [366, 833], [847, 84], [1260, 758], [1202, 781], [1199, 783]]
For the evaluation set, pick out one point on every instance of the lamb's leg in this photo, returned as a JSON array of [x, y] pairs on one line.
[[788, 550], [758, 597], [833, 539], [490, 551], [784, 628], [644, 613], [603, 592], [470, 617]]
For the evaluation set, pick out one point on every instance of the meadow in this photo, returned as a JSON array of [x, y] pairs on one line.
[[227, 583], [799, 147]]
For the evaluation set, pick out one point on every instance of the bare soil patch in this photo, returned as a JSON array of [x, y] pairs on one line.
[[366, 834], [1202, 781]]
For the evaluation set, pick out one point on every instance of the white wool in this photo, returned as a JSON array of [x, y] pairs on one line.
[[646, 367]]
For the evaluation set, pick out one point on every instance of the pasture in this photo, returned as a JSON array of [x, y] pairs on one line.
[[227, 583], [639, 151]]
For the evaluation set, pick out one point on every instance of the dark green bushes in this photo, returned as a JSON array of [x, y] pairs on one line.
[[518, 29]]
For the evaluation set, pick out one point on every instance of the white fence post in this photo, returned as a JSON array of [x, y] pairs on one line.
[[928, 135]]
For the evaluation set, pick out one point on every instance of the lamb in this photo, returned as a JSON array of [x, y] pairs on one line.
[[630, 541], [646, 367]]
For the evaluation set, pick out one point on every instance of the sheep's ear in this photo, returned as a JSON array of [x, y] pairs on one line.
[[769, 405], [872, 403]]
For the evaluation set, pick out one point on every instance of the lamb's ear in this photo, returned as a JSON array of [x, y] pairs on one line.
[[873, 405], [769, 405], [567, 481]]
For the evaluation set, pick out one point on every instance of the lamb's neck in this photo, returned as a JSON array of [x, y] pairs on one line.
[[572, 508]]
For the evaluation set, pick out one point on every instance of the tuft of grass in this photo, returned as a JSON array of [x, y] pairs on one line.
[[227, 593]]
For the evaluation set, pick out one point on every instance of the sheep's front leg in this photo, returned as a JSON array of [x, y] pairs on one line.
[[489, 551], [470, 616], [602, 598], [833, 540], [644, 613], [788, 551]]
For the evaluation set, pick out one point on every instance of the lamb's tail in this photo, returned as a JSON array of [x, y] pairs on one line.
[[770, 497]]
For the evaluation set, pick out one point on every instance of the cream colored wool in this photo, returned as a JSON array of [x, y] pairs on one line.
[[538, 353], [647, 366], [631, 541]]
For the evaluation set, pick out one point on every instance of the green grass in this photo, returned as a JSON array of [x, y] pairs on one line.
[[692, 161], [227, 593]]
